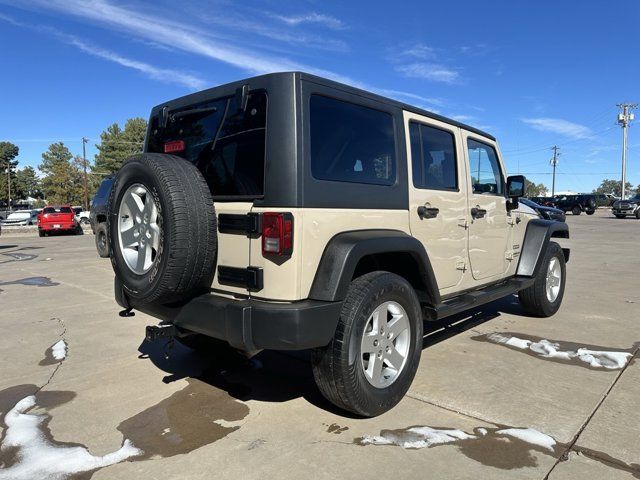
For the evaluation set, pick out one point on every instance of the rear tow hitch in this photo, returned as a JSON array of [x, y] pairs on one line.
[[154, 332], [127, 313]]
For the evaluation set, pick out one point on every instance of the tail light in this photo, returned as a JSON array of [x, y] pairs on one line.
[[277, 233]]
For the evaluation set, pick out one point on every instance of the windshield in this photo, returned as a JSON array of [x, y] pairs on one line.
[[226, 143]]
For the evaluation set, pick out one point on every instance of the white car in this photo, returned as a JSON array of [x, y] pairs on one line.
[[82, 216], [21, 218]]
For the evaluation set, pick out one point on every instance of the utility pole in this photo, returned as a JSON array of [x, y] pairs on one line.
[[84, 164], [554, 163], [624, 118]]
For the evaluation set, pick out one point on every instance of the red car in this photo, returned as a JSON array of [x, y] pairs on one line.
[[56, 219]]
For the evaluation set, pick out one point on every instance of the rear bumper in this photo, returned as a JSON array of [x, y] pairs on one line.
[[48, 227], [249, 324]]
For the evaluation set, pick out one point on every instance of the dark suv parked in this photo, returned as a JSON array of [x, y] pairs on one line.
[[576, 204]]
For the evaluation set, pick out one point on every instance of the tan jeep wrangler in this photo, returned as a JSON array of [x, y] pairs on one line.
[[289, 212]]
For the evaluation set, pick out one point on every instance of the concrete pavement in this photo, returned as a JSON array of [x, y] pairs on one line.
[[220, 417]]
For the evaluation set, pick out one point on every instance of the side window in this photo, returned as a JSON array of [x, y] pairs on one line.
[[351, 143], [433, 158], [486, 176]]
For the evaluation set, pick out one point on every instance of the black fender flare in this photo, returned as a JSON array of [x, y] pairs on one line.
[[343, 252], [536, 240]]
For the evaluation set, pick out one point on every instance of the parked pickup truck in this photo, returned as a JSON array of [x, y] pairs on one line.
[[57, 219], [287, 211]]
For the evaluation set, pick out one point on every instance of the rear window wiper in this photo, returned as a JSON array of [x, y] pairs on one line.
[[192, 111]]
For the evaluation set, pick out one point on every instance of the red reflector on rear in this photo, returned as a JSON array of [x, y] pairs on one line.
[[277, 233], [174, 146]]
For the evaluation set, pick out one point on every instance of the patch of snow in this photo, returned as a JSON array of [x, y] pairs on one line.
[[483, 431], [530, 435], [38, 457], [227, 424], [603, 359], [419, 437], [546, 349], [59, 350]]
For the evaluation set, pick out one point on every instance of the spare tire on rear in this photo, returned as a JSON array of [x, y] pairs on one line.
[[162, 229]]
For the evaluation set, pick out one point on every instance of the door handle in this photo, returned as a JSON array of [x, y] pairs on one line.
[[427, 212], [477, 212]]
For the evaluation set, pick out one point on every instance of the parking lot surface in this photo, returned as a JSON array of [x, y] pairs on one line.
[[114, 406]]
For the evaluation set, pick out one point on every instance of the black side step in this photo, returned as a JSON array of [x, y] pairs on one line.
[[476, 298]]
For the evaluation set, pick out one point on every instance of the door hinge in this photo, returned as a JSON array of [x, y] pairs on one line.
[[462, 222], [461, 265], [511, 255]]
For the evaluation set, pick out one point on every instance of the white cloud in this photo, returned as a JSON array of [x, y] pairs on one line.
[[559, 126], [408, 96], [419, 50], [313, 17], [170, 33], [163, 74], [463, 118], [429, 71]]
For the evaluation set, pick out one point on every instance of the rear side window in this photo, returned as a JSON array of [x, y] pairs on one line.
[[351, 143], [226, 143], [433, 158], [486, 177]]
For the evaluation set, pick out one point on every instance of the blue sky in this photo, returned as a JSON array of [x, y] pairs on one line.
[[534, 74]]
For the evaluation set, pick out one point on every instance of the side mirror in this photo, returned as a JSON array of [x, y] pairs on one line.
[[516, 186]]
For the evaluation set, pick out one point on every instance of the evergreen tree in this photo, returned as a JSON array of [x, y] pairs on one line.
[[117, 144], [8, 153], [27, 184], [62, 182]]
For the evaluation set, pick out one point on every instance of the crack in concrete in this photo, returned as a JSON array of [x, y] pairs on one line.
[[64, 331], [572, 444], [420, 398]]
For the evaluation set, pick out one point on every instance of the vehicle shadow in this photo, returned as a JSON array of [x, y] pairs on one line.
[[438, 331], [280, 376], [270, 376]]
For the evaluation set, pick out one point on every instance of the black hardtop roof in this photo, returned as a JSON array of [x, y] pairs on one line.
[[332, 84]]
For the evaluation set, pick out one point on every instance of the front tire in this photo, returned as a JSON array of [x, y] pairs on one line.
[[619, 215], [544, 297], [372, 359], [590, 212]]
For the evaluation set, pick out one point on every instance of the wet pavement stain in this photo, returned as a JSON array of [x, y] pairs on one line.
[[488, 446], [336, 429], [18, 257], [562, 347], [32, 281], [184, 421]]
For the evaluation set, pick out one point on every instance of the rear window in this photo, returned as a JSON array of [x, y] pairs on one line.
[[57, 210], [226, 143], [351, 143]]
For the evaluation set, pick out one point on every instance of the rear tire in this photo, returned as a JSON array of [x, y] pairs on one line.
[[619, 215], [638, 214], [40, 233], [576, 210], [536, 300], [344, 372], [102, 240]]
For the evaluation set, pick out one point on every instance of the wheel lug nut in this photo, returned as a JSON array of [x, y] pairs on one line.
[[375, 343]]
